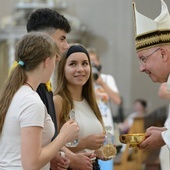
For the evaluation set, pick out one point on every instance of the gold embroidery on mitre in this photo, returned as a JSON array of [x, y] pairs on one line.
[[152, 39]]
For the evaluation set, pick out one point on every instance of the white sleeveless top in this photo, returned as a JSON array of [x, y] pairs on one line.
[[87, 120]]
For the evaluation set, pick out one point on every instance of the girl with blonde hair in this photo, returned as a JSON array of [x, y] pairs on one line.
[[26, 129]]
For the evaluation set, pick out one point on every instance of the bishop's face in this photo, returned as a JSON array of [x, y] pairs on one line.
[[154, 62]]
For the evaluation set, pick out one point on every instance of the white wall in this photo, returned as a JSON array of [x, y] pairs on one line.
[[6, 7]]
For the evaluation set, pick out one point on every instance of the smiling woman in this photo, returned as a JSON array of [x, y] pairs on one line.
[[77, 69], [75, 91]]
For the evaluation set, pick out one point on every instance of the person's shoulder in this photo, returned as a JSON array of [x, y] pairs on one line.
[[26, 92], [107, 77], [28, 97], [58, 103], [33, 97], [57, 98], [131, 115]]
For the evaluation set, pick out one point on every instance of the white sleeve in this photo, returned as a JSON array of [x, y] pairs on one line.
[[167, 122], [109, 79], [166, 137], [32, 112]]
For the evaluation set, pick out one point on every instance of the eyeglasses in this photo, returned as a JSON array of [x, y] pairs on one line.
[[143, 59]]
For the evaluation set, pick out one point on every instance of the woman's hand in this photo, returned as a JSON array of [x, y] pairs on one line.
[[82, 161], [70, 130], [94, 141], [59, 162]]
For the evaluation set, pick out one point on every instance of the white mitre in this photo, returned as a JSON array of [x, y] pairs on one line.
[[150, 33]]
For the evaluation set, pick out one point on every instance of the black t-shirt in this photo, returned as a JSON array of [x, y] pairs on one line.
[[47, 98]]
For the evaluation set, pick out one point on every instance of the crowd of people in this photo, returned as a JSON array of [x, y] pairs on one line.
[[35, 121]]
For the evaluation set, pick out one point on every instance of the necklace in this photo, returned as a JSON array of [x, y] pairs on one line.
[[29, 85]]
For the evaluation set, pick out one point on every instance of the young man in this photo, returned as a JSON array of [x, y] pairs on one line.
[[57, 26], [153, 51]]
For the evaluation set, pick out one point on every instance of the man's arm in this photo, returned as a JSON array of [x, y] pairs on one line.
[[59, 162], [113, 94], [166, 137], [79, 161]]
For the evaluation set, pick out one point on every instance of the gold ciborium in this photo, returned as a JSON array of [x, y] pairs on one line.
[[132, 139]]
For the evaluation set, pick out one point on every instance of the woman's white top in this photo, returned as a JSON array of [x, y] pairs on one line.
[[87, 121], [25, 110]]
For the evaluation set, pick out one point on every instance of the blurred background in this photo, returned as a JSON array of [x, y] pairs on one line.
[[106, 25]]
